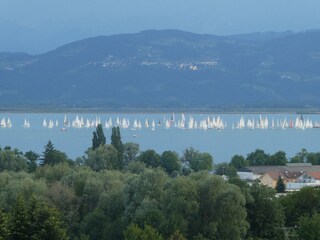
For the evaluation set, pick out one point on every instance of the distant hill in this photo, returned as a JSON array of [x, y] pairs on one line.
[[168, 69]]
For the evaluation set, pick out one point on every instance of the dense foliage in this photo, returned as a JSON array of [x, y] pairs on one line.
[[145, 195]]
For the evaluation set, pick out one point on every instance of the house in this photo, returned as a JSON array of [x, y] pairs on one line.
[[270, 178], [294, 175], [309, 177]]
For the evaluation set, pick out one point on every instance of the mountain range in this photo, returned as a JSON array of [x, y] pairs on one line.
[[168, 69]]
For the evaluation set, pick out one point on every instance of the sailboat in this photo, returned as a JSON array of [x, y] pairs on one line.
[[65, 120], [26, 123], [146, 124], [9, 124], [51, 125], [153, 125], [44, 123], [3, 123]]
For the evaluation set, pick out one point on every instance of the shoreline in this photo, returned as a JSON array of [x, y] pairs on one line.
[[160, 110]]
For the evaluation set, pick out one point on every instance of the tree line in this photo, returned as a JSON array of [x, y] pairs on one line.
[[117, 192]]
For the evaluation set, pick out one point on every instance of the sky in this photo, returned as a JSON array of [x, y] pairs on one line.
[[37, 26]]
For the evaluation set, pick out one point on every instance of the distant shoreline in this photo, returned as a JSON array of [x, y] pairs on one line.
[[50, 109]]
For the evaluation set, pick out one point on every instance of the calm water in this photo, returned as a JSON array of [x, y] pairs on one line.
[[221, 144]]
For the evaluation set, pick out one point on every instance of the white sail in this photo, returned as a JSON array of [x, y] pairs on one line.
[[3, 123], [51, 124], [44, 123], [26, 123], [9, 124], [153, 125], [65, 120], [146, 123]]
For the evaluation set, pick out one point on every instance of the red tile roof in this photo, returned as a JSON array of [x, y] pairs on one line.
[[315, 175], [284, 174]]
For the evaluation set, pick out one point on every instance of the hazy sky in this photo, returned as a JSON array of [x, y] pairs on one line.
[[36, 26]]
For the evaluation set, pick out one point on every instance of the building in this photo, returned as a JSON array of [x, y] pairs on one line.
[[270, 178], [294, 175]]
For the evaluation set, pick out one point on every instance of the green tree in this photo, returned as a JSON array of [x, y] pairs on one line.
[[131, 150], [230, 208], [170, 161], [150, 158], [4, 231], [225, 169], [238, 162], [313, 158], [220, 203], [265, 213], [98, 137], [12, 161], [117, 144], [300, 157], [280, 186], [143, 198], [19, 220], [308, 227], [177, 236], [305, 202], [197, 161], [180, 205], [103, 157], [277, 159], [44, 222], [32, 158], [51, 156], [134, 232], [257, 158], [35, 220], [93, 224]]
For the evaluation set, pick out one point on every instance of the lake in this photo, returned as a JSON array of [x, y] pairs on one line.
[[221, 143]]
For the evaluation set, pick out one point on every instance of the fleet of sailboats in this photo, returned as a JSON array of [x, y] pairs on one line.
[[182, 122]]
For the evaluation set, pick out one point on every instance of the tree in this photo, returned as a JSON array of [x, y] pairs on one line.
[[257, 158], [103, 157], [230, 209], [131, 150], [98, 137], [197, 161], [226, 169], [150, 158], [180, 204], [170, 161], [12, 161], [51, 156], [44, 221], [177, 236], [32, 158], [305, 202], [308, 227], [300, 157], [134, 232], [277, 159], [313, 158], [238, 162], [280, 186], [265, 213], [4, 231], [117, 144], [19, 220], [93, 224], [143, 197], [34, 219], [220, 203]]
